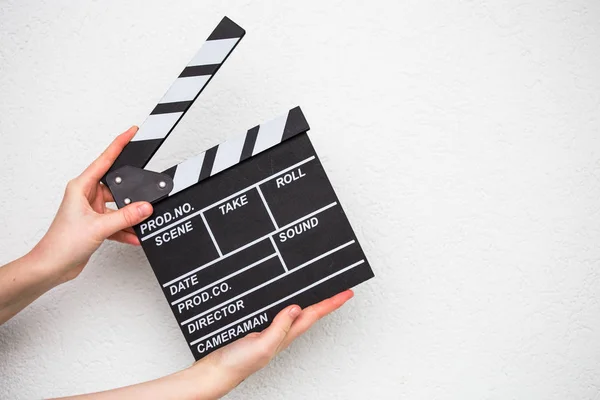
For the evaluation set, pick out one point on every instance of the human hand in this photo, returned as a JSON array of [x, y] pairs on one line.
[[83, 221], [231, 364]]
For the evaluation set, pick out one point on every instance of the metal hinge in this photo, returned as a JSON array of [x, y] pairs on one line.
[[129, 184]]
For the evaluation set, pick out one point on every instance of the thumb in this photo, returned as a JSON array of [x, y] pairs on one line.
[[274, 335], [127, 216]]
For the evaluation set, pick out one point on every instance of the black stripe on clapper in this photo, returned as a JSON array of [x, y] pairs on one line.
[[226, 29], [198, 70], [251, 136], [207, 164], [136, 153], [296, 123], [166, 108], [170, 171]]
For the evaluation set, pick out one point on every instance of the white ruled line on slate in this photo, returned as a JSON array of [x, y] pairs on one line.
[[278, 302], [260, 239], [254, 289], [254, 264], [150, 235]]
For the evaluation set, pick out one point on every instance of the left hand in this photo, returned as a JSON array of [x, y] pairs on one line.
[[83, 221]]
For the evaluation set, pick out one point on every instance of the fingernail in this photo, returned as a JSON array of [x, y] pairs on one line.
[[144, 209], [294, 311]]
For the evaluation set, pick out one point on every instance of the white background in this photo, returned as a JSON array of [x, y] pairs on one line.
[[462, 138]]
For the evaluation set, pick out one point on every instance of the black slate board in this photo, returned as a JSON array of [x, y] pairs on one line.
[[234, 249]]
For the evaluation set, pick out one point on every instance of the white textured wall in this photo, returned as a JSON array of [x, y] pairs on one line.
[[462, 138]]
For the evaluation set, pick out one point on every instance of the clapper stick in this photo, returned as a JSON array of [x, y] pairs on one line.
[[180, 96], [243, 229], [237, 149]]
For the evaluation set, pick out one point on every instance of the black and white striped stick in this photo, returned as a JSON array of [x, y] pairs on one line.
[[180, 96], [237, 149]]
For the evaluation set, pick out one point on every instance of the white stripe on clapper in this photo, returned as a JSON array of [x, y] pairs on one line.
[[213, 52], [156, 126], [185, 89], [187, 173], [228, 153], [269, 134]]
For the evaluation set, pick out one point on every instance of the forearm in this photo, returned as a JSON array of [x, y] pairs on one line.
[[22, 281], [200, 382]]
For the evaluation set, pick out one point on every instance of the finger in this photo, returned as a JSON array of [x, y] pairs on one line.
[[113, 222], [310, 315], [97, 201], [101, 165], [279, 328], [129, 229], [327, 306], [125, 237], [106, 194]]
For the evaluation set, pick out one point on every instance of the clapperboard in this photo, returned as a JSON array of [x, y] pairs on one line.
[[244, 229]]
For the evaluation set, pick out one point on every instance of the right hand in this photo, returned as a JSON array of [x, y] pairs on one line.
[[231, 364]]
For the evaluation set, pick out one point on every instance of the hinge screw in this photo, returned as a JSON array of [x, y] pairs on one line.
[[118, 180], [162, 184]]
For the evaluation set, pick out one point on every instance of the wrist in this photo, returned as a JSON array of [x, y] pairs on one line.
[[207, 381], [44, 265]]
